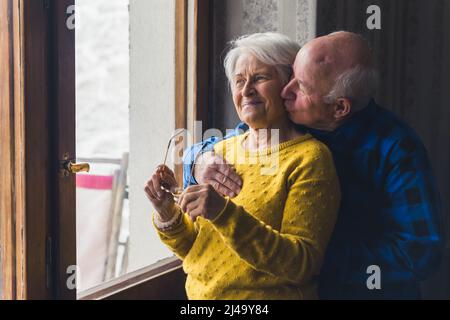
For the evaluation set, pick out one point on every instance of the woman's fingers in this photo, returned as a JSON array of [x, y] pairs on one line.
[[169, 180], [163, 180], [157, 181], [193, 209], [152, 189], [202, 200], [166, 169], [189, 196], [166, 179], [195, 213], [191, 202], [158, 194], [149, 194], [195, 188]]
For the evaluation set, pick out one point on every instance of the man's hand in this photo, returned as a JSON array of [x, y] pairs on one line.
[[214, 170], [202, 200]]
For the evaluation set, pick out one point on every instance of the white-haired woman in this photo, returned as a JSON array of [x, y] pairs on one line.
[[269, 241]]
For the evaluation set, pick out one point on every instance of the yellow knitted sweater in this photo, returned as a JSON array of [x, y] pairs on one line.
[[269, 241]]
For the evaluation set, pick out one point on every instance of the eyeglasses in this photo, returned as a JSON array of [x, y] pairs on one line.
[[176, 193]]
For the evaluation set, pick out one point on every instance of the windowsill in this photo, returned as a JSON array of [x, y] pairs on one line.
[[131, 280]]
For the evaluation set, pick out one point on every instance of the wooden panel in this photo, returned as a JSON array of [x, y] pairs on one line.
[[202, 25], [25, 149], [62, 138], [7, 239], [181, 63], [180, 73], [166, 286], [19, 143], [37, 150], [162, 281]]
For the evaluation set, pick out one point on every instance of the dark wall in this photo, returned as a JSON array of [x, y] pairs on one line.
[[412, 51], [226, 26]]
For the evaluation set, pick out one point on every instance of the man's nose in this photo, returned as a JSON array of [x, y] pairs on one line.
[[288, 93]]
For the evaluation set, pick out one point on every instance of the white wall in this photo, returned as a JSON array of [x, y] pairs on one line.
[[152, 114]]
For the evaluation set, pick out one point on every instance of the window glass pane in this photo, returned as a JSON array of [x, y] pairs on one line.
[[117, 113]]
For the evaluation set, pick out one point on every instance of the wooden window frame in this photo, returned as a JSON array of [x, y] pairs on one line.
[[25, 157], [161, 281], [8, 179], [36, 227], [202, 50]]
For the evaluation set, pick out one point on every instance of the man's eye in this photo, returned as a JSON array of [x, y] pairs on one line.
[[239, 82], [301, 87], [260, 78]]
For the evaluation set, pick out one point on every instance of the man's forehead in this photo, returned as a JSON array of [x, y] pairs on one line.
[[300, 65], [314, 64]]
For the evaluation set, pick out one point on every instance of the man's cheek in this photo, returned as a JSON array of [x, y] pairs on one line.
[[298, 117]]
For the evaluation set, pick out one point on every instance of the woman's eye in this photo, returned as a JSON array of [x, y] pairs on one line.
[[260, 78], [239, 82]]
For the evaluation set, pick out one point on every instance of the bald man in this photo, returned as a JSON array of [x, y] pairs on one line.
[[387, 237]]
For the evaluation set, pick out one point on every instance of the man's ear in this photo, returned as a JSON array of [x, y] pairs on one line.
[[343, 108]]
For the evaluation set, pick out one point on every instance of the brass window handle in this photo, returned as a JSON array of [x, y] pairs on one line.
[[78, 167], [70, 167]]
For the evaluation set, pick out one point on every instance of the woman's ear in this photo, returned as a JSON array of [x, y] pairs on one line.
[[343, 108]]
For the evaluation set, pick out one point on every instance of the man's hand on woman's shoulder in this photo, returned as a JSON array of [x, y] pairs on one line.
[[212, 169]]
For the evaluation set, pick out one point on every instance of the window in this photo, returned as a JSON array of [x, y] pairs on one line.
[[150, 104], [125, 110]]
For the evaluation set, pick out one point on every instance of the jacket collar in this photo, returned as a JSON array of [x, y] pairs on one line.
[[349, 131]]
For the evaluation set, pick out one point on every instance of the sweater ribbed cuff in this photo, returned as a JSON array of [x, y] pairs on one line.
[[169, 225]]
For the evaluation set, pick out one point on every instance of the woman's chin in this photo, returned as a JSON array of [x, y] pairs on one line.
[[251, 116], [256, 125], [256, 121], [252, 121]]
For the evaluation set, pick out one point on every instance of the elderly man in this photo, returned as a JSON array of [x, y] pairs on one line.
[[387, 237]]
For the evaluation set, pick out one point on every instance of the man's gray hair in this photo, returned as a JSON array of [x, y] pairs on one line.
[[358, 84], [273, 49]]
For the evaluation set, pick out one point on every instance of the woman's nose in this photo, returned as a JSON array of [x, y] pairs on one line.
[[249, 89]]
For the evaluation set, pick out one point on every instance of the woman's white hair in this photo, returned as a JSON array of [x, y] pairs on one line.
[[273, 49], [357, 84]]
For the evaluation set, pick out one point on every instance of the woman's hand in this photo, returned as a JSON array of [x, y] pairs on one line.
[[162, 201], [202, 200]]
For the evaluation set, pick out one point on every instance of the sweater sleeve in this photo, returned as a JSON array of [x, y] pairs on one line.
[[180, 239], [294, 253]]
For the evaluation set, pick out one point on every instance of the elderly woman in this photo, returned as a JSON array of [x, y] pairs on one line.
[[269, 241]]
